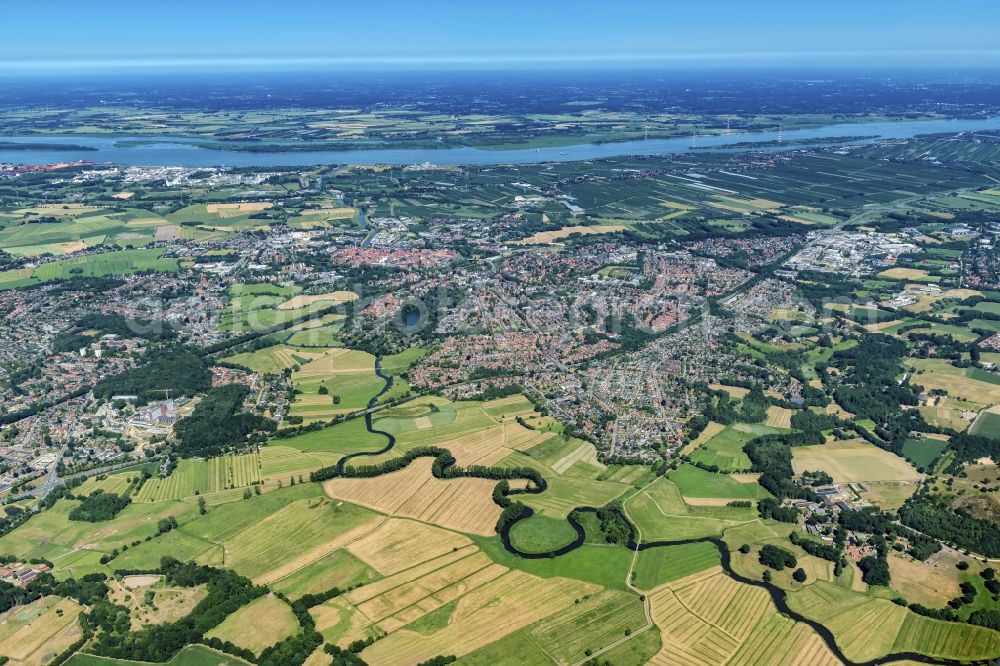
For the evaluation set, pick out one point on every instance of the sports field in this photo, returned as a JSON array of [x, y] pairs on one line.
[[852, 460]]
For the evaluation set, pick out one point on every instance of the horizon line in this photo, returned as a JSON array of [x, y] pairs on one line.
[[707, 57]]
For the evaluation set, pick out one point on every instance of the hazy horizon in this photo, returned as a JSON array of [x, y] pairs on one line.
[[65, 37]]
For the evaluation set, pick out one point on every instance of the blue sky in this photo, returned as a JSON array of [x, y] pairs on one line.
[[69, 34]]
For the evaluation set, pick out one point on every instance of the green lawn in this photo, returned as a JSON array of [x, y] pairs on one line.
[[695, 482], [604, 565], [923, 451], [726, 449], [656, 566], [119, 262], [541, 534]]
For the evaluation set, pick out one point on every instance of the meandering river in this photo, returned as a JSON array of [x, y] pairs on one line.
[[778, 595]]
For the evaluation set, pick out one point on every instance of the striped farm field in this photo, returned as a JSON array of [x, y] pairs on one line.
[[202, 477], [281, 463], [866, 627], [294, 536], [338, 381], [484, 615], [948, 640], [338, 569], [593, 623], [463, 504], [112, 483], [399, 544], [510, 406], [274, 359], [584, 452], [708, 618], [453, 420], [394, 602], [566, 493], [779, 417], [656, 566]]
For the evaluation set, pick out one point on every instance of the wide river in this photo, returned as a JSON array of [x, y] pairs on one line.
[[169, 151]]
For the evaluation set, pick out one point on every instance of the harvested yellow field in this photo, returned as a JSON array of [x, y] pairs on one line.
[[332, 297], [733, 391], [402, 599], [926, 301], [465, 504], [516, 399], [710, 431], [400, 544], [231, 209], [33, 635], [922, 582], [482, 447], [549, 237], [330, 213], [519, 438], [144, 222], [852, 461], [899, 273], [123, 195], [585, 452], [940, 374], [70, 247], [258, 625], [483, 616], [778, 417], [708, 618], [881, 325], [707, 501], [890, 495]]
